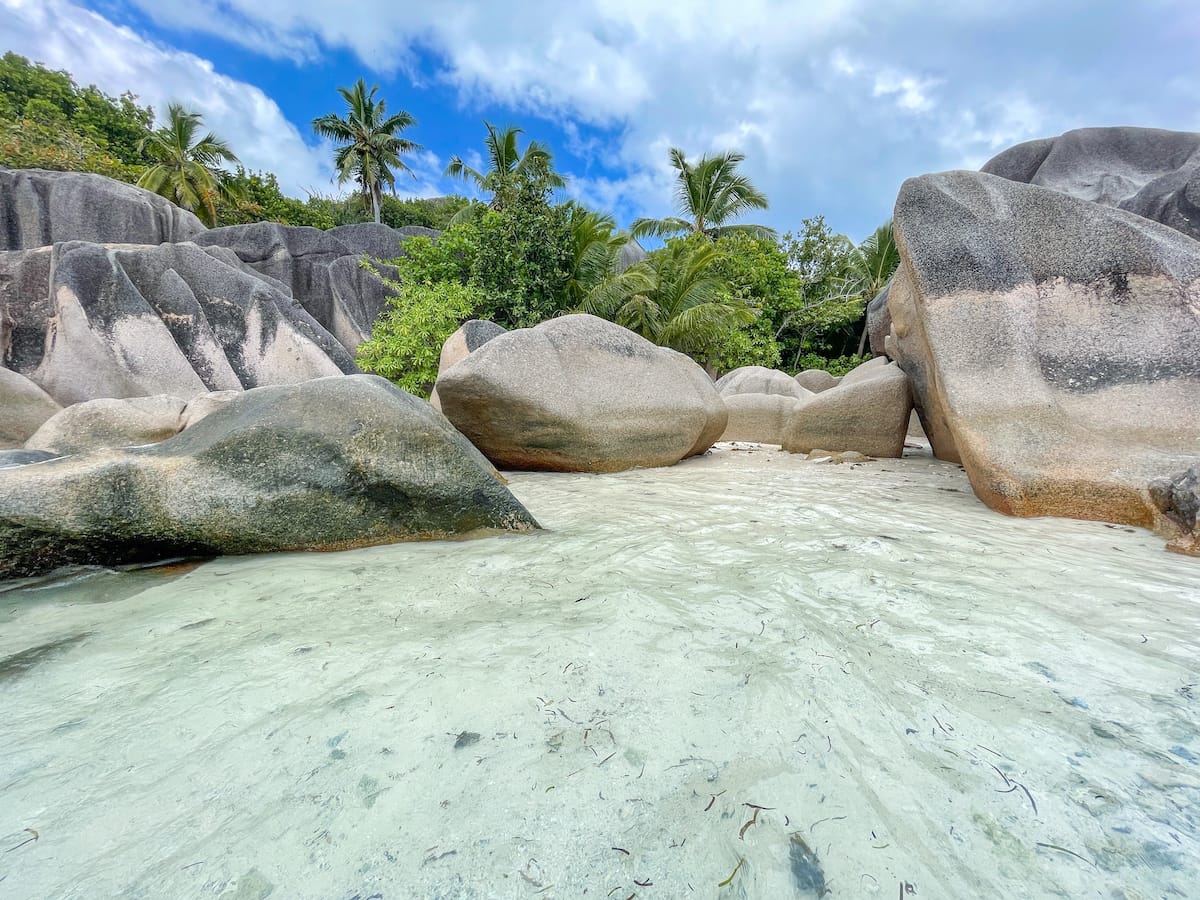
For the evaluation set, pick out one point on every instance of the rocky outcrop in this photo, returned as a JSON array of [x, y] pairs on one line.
[[127, 321], [1053, 343], [867, 412], [1146, 171], [1178, 500], [817, 380], [322, 269], [879, 322], [39, 208], [581, 394], [102, 424], [328, 464], [760, 418], [23, 408], [760, 380]]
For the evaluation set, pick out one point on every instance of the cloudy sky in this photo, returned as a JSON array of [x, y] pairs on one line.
[[834, 102]]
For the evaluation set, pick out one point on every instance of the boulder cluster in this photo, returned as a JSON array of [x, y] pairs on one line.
[[168, 389]]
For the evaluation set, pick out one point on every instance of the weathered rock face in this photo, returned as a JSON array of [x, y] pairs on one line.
[[1178, 500], [126, 321], [761, 418], [879, 322], [760, 380], [104, 424], [1053, 343], [23, 408], [202, 406], [321, 269], [581, 394], [867, 412], [328, 464], [470, 336], [12, 458], [1147, 171], [39, 208], [817, 380]]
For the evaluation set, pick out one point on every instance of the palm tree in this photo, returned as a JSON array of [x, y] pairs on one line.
[[871, 268], [369, 143], [595, 249], [507, 166], [708, 194], [187, 171], [673, 298]]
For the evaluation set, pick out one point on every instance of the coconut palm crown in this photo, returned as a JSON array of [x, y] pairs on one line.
[[507, 165], [186, 170], [369, 147], [708, 194]]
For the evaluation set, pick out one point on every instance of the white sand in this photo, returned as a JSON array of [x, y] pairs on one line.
[[896, 672]]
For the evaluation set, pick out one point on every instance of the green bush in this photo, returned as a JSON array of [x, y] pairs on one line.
[[408, 335], [837, 366]]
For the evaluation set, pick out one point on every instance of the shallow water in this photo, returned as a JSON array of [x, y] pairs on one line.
[[745, 676]]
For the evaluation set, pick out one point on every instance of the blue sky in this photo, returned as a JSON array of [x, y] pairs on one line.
[[833, 103]]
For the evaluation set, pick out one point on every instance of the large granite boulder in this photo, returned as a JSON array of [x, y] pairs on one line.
[[1178, 500], [879, 322], [581, 394], [1147, 171], [39, 208], [759, 418], [817, 380], [329, 464], [23, 408], [469, 337], [107, 423], [95, 321], [1053, 344], [867, 412], [322, 269], [760, 380]]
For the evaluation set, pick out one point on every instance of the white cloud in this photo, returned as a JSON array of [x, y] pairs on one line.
[[834, 102], [95, 51]]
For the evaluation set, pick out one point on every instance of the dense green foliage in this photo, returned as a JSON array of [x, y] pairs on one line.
[[261, 200], [408, 336], [511, 170]]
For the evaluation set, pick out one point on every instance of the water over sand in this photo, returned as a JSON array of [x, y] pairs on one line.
[[744, 676]]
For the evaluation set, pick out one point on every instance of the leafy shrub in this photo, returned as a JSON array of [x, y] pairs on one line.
[[408, 335], [837, 366]]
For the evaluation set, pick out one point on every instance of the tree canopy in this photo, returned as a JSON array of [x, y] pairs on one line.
[[186, 168]]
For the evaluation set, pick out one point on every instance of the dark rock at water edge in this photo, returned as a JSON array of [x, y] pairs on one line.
[[328, 464]]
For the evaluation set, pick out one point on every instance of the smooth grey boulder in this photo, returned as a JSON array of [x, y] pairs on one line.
[[760, 380], [1177, 498], [1053, 344], [470, 336], [12, 458], [39, 208], [108, 423], [817, 380], [630, 254], [202, 406], [879, 322], [126, 321], [322, 270], [867, 412], [759, 418], [1147, 171], [581, 394], [23, 408], [329, 464]]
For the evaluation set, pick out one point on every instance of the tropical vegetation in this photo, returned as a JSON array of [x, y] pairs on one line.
[[369, 147], [727, 292]]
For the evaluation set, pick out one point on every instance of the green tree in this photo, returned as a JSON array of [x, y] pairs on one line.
[[261, 200], [369, 143], [407, 339], [708, 194], [510, 169], [428, 212], [875, 261], [595, 248], [674, 298], [186, 168]]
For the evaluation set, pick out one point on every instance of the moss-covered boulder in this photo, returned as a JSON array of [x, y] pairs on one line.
[[327, 464]]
